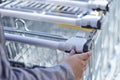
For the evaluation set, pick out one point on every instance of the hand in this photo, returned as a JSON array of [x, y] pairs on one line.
[[78, 63]]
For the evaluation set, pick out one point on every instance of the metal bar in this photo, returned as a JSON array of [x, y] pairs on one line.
[[32, 41], [38, 17], [35, 33], [2, 39], [77, 43], [89, 20]]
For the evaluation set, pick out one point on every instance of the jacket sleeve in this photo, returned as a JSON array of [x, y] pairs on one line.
[[61, 71]]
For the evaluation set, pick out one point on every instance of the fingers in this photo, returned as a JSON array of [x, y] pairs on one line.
[[85, 64], [84, 56], [78, 63], [72, 52]]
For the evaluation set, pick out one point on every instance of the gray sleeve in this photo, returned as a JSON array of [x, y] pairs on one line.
[[61, 71]]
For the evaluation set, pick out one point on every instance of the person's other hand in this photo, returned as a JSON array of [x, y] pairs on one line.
[[78, 63]]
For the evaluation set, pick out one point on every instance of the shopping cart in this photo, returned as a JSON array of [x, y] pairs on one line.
[[23, 25]]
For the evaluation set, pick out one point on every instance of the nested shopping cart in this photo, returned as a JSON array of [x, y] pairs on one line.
[[30, 23], [42, 19]]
